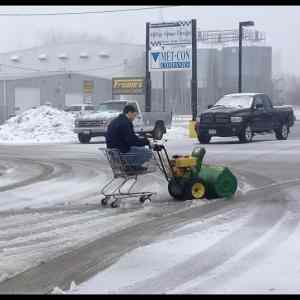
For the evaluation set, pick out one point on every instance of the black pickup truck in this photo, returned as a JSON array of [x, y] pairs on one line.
[[243, 115]]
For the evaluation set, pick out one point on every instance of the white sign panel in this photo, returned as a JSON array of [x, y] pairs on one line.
[[171, 59], [174, 33]]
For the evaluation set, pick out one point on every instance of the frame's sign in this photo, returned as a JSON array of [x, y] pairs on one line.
[[128, 86], [170, 34], [171, 59]]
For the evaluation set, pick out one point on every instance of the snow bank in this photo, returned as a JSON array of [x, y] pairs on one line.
[[39, 125], [297, 112]]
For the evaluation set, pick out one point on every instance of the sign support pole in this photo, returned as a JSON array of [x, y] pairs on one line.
[[194, 83], [148, 75]]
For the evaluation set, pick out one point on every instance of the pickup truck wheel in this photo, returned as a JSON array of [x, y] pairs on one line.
[[84, 138], [158, 132], [246, 134], [283, 132], [204, 138]]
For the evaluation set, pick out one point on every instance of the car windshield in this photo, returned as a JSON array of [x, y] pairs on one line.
[[111, 107], [235, 101]]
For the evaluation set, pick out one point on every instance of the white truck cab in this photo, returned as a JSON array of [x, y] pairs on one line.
[[80, 109], [96, 123]]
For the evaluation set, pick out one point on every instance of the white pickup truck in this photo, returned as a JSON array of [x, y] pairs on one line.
[[95, 124]]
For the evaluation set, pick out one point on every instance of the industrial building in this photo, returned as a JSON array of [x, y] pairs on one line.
[[18, 93], [58, 74]]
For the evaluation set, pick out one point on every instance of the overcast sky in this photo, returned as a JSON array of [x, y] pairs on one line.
[[281, 24]]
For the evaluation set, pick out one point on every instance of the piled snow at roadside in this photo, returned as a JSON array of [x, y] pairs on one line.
[[44, 124], [297, 112], [179, 129]]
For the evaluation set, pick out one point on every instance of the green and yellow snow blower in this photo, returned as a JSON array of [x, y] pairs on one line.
[[189, 178]]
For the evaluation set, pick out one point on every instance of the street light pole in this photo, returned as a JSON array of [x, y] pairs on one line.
[[241, 25], [240, 56]]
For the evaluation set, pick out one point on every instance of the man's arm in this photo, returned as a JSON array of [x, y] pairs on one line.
[[130, 138]]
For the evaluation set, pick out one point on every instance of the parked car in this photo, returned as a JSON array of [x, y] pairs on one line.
[[244, 115], [80, 109], [95, 124]]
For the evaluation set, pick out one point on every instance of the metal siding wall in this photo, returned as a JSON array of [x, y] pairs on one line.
[[53, 89], [2, 107]]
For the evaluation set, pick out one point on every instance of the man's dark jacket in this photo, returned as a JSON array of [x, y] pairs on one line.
[[120, 135]]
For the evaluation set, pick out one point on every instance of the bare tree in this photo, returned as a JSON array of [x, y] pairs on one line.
[[286, 89]]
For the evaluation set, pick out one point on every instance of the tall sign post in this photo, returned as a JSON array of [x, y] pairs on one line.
[[194, 82], [172, 47], [148, 76]]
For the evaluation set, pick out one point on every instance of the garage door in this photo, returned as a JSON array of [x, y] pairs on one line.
[[72, 99], [26, 98]]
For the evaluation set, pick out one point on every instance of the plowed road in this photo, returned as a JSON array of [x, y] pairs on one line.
[[53, 229]]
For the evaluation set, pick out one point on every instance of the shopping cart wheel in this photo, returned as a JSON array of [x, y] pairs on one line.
[[104, 201], [114, 204], [143, 199]]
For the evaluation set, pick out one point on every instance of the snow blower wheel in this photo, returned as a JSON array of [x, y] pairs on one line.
[[176, 189], [195, 189]]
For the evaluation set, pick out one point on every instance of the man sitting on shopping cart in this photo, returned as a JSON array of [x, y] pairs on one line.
[[120, 135]]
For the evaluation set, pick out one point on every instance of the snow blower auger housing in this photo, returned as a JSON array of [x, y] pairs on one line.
[[188, 178]]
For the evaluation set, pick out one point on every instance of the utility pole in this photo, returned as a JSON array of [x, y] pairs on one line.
[[241, 25], [163, 73]]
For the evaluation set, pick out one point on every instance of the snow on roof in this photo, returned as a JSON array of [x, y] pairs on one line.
[[244, 94]]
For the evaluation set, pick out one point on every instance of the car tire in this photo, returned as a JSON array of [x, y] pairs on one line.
[[84, 138], [204, 138], [282, 133], [246, 134]]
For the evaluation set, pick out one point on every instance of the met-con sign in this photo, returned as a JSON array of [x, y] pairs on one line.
[[170, 46], [173, 59]]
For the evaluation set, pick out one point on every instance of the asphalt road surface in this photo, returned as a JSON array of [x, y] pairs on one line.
[[53, 229]]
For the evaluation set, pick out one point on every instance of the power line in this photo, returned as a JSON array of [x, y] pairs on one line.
[[85, 12]]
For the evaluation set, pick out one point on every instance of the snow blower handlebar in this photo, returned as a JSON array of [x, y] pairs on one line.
[[163, 159]]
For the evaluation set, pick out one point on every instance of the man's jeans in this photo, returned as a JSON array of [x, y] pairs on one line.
[[138, 156]]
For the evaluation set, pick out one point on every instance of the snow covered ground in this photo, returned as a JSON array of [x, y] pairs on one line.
[[149, 269], [43, 124], [61, 213]]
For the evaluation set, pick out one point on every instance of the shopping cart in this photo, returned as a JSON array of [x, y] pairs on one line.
[[126, 174]]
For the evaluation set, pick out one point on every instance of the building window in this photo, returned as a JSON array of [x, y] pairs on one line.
[[42, 57], [83, 55], [104, 54], [63, 56], [15, 58]]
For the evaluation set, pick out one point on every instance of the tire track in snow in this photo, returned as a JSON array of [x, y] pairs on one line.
[[220, 252]]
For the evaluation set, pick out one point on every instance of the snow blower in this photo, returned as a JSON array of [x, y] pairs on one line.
[[188, 178]]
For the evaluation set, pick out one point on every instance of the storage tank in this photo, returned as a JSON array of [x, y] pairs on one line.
[[256, 69]]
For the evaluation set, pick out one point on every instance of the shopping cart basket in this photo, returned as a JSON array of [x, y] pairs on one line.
[[125, 173]]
